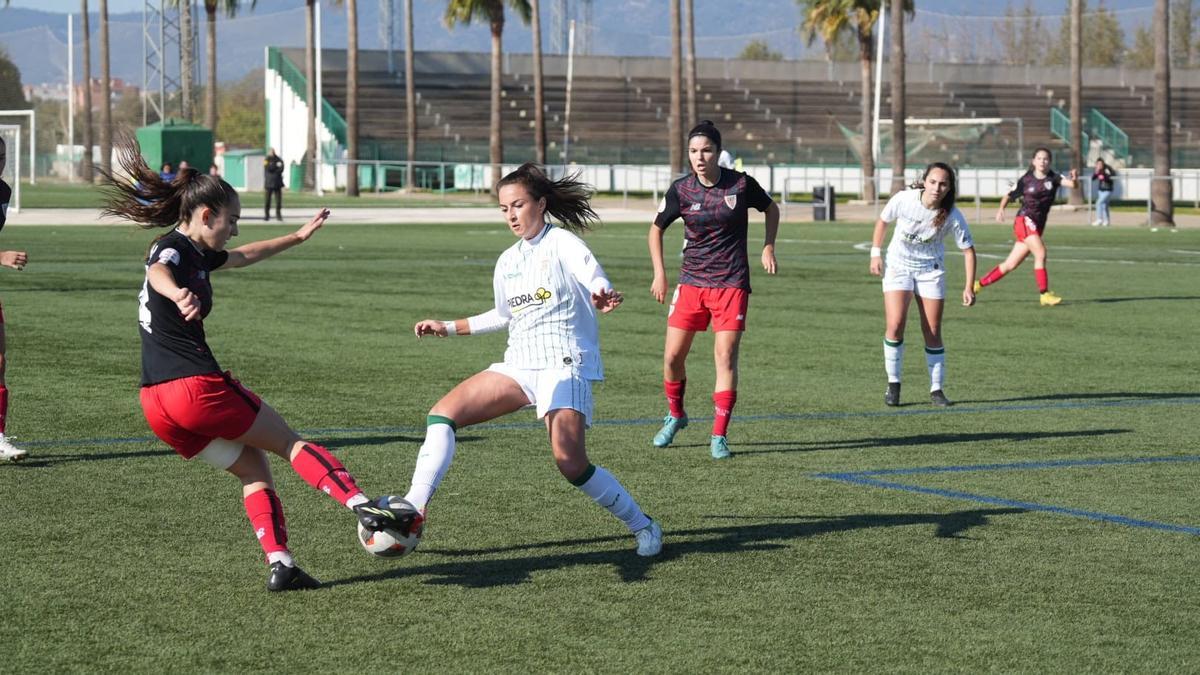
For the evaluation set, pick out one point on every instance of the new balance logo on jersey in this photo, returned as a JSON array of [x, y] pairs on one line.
[[694, 207], [526, 301]]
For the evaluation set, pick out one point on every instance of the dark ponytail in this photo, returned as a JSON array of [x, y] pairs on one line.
[[944, 207], [141, 195], [567, 199]]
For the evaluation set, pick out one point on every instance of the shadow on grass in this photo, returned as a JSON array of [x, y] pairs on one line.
[[774, 533], [919, 439], [1115, 396], [37, 459], [1105, 301]]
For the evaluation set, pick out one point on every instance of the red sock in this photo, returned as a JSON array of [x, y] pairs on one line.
[[722, 410], [266, 517], [3, 407], [320, 469], [992, 277], [675, 396], [1043, 281]]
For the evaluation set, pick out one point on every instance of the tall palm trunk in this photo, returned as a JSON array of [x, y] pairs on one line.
[[899, 106], [210, 47], [496, 145], [87, 174], [1162, 211], [105, 93], [866, 50], [674, 127], [186, 54], [539, 92], [1075, 195], [310, 92], [352, 97], [410, 97], [690, 71]]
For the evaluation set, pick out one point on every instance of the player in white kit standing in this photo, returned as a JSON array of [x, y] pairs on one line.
[[924, 215], [548, 287]]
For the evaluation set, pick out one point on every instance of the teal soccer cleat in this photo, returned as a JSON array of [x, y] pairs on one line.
[[670, 427], [720, 448]]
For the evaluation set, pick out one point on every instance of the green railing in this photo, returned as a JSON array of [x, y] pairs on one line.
[[295, 80], [1060, 126], [1109, 133]]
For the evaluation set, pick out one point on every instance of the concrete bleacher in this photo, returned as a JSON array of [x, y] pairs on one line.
[[774, 113]]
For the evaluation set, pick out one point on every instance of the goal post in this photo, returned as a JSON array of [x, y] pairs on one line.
[[32, 117], [11, 134], [942, 125]]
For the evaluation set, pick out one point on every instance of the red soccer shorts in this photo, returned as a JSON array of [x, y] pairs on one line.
[[693, 307], [188, 413], [1023, 226]]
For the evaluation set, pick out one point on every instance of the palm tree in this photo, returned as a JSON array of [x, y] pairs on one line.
[[210, 47], [689, 30], [105, 93], [899, 105], [310, 91], [1075, 195], [351, 97], [466, 11], [410, 97], [1161, 191], [539, 93], [829, 19], [674, 127], [186, 53], [87, 173]]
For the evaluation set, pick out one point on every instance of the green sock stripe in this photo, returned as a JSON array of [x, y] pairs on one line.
[[935, 350], [892, 343], [585, 476], [431, 420]]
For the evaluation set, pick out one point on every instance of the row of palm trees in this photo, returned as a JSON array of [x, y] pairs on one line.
[[827, 19]]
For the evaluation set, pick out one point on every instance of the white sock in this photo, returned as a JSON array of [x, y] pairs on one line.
[[608, 492], [281, 556], [432, 462], [935, 361], [893, 358], [357, 499]]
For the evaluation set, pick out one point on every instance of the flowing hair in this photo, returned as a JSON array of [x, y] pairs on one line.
[[567, 199], [943, 207], [142, 196]]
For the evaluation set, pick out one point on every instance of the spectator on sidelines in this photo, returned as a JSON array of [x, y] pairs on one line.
[[273, 184]]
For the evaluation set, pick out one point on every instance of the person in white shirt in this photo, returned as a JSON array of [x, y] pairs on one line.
[[548, 287], [924, 215]]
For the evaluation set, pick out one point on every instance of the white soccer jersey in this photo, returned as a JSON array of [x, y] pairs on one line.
[[916, 243], [543, 287]]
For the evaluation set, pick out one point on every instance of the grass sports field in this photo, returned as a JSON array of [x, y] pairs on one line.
[[1046, 522]]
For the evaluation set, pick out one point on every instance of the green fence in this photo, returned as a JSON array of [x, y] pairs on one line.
[[1060, 126], [1109, 133]]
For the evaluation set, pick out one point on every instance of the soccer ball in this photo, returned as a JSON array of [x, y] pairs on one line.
[[389, 542]]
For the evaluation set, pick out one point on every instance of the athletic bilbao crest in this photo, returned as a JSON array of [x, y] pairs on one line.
[[1049, 185], [731, 201]]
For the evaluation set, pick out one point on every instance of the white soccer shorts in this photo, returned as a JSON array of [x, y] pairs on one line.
[[927, 283], [552, 389]]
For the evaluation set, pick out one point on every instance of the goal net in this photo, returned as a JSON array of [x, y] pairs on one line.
[[11, 135]]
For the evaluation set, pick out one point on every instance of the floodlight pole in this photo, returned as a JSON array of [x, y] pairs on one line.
[[71, 97], [881, 26], [570, 78], [319, 101]]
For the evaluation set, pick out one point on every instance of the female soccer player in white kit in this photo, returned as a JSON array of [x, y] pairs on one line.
[[924, 215], [548, 287]]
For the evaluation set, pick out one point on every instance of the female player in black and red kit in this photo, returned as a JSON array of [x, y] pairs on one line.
[[16, 260], [190, 403], [714, 281], [1036, 189]]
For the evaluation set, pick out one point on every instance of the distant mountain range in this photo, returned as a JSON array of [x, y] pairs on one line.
[[943, 30]]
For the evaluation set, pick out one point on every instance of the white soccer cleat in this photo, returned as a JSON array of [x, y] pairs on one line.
[[649, 540], [10, 452]]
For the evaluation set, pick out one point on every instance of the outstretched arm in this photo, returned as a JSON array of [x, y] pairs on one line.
[[488, 322], [14, 259], [258, 251]]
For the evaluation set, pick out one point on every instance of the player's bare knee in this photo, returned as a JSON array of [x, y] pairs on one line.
[[572, 467]]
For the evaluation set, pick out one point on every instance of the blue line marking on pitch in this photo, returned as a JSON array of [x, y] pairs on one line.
[[865, 478], [777, 417]]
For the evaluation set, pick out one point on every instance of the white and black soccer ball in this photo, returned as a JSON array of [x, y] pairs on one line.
[[391, 542]]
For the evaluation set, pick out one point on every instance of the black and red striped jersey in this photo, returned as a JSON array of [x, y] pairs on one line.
[[171, 347], [715, 221], [1037, 195], [5, 196]]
